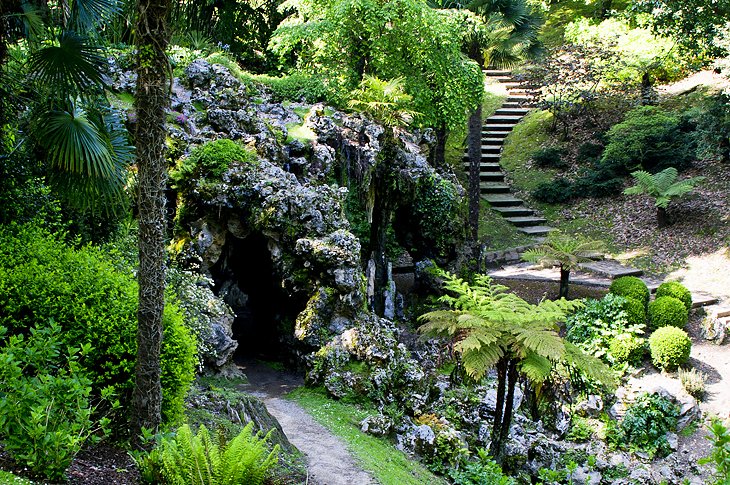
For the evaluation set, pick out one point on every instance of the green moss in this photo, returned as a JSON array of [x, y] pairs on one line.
[[496, 232], [378, 456], [301, 111], [529, 136], [300, 132], [211, 159]]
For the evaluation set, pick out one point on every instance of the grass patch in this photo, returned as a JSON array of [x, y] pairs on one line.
[[301, 111], [376, 455], [7, 478], [299, 132], [526, 138], [496, 232]]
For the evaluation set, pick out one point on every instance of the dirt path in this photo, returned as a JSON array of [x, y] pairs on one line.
[[329, 461]]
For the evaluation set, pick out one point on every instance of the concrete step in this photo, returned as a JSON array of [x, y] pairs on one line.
[[524, 221], [497, 133], [490, 157], [492, 141], [519, 211], [496, 72], [513, 98], [491, 176], [490, 128], [536, 230], [494, 188], [502, 200], [610, 269], [503, 119], [486, 167], [703, 299], [512, 111], [491, 148]]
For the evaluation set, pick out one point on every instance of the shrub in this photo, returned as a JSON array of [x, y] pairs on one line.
[[94, 303], [667, 310], [630, 287], [670, 347], [720, 455], [627, 348], [438, 212], [635, 311], [677, 290], [45, 413], [580, 430], [556, 191], [693, 382], [550, 157], [188, 458], [647, 422], [211, 159], [298, 87], [482, 471]]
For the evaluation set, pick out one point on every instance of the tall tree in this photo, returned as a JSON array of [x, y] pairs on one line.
[[490, 327], [151, 100]]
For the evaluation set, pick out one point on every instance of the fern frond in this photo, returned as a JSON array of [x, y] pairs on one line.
[[476, 363], [589, 366], [535, 338], [536, 368]]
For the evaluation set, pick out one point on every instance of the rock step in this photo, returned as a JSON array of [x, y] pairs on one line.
[[485, 158], [513, 98], [610, 269], [512, 111], [703, 299], [491, 176], [524, 221], [490, 129], [486, 167], [536, 230], [519, 211], [491, 148], [496, 72], [492, 141], [504, 119], [496, 133], [502, 200], [494, 188]]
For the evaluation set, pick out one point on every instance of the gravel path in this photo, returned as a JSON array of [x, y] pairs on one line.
[[329, 460]]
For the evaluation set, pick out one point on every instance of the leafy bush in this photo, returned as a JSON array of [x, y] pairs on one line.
[[580, 430], [211, 159], [720, 455], [198, 459], [630, 287], [670, 347], [94, 303], [298, 87], [483, 471], [677, 290], [693, 382], [550, 157], [595, 326], [628, 348], [635, 311], [647, 422], [438, 215], [648, 139], [45, 410], [667, 310], [556, 191]]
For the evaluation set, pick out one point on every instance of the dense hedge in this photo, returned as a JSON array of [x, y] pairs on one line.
[[42, 280]]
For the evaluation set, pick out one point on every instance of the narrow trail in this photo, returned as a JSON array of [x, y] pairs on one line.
[[329, 461]]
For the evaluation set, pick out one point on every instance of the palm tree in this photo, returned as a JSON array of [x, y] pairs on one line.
[[662, 187], [490, 327], [564, 251], [385, 102], [152, 98]]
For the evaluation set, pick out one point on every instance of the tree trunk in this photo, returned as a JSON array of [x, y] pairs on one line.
[[647, 90], [508, 404], [475, 158], [564, 281], [661, 217], [152, 98], [439, 150], [495, 447]]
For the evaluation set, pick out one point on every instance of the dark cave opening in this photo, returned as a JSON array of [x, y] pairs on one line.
[[246, 279]]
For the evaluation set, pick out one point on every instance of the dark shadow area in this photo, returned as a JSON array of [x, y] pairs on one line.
[[265, 312]]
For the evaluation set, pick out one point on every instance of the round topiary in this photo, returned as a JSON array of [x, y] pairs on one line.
[[670, 347], [635, 311], [630, 287], [627, 347], [677, 290], [667, 310]]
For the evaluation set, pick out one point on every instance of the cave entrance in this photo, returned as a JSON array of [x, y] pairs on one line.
[[265, 312]]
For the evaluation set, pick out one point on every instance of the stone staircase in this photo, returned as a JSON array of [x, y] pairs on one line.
[[494, 189]]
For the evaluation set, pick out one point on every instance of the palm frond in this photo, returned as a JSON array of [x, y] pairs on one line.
[[87, 15]]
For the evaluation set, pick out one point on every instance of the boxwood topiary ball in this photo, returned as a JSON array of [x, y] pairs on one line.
[[667, 310], [669, 347], [627, 347], [630, 287], [678, 291], [635, 311]]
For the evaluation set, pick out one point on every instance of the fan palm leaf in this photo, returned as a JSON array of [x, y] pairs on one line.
[[86, 15]]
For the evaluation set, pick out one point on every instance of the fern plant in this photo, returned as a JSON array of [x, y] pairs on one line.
[[662, 187], [490, 327], [564, 251], [197, 459]]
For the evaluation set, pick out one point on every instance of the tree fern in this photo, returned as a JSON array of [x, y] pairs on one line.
[[662, 187]]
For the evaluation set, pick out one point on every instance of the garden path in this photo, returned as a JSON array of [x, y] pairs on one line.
[[329, 460]]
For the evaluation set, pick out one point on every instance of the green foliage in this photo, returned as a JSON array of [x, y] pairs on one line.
[[693, 382], [646, 424], [386, 102], [564, 250], [630, 287], [720, 455], [210, 160], [627, 348], [676, 290], [635, 311], [670, 347], [94, 303], [647, 139], [482, 471], [45, 408], [580, 430], [662, 186], [667, 310], [713, 127], [555, 191], [299, 86], [198, 459], [550, 157], [594, 327], [438, 212]]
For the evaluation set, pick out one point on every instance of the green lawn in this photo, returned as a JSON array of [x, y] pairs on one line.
[[378, 456]]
